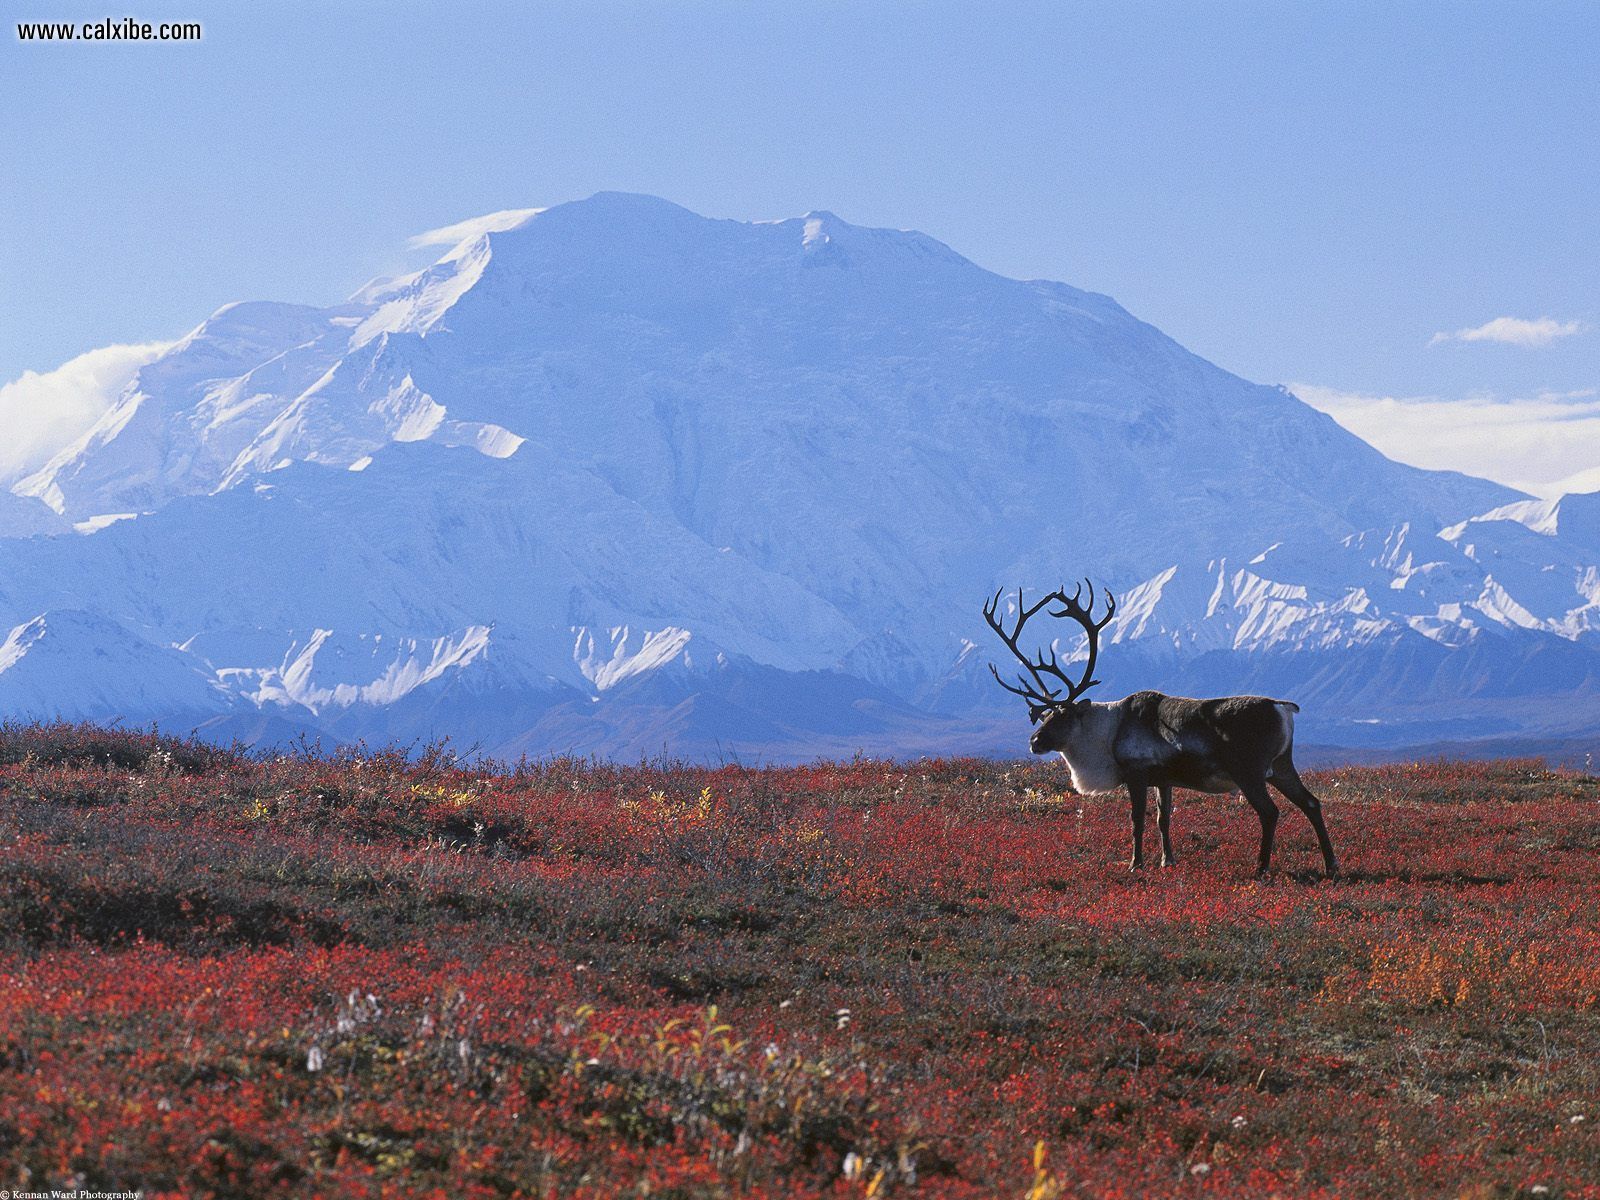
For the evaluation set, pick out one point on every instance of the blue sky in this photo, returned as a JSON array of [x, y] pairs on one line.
[[1301, 193]]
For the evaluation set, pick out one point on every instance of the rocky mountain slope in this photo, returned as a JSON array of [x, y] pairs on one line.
[[612, 477]]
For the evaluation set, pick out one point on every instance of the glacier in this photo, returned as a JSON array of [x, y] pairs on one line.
[[614, 478]]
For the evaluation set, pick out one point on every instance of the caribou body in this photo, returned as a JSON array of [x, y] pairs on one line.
[[1149, 740]]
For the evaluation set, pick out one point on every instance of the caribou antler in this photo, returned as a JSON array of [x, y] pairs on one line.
[[1084, 615], [1040, 696]]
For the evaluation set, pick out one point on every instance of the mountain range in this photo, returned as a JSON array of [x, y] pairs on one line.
[[614, 478]]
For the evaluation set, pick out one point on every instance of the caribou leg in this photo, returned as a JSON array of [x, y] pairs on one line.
[[1140, 795], [1287, 780], [1164, 823], [1256, 793]]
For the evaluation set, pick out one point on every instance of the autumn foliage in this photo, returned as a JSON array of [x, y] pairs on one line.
[[386, 975]]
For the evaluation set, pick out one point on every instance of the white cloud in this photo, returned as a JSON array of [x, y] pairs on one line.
[[1548, 444], [449, 235], [1513, 331], [1581, 481], [42, 413]]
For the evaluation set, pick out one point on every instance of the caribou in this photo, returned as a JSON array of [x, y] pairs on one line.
[[1225, 744]]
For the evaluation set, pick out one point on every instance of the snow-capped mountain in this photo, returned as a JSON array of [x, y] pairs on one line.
[[612, 477]]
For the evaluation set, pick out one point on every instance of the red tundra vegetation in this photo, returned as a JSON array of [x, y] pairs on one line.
[[372, 975]]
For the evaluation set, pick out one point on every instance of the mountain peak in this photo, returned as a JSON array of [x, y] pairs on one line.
[[613, 224], [822, 222], [629, 202], [602, 210]]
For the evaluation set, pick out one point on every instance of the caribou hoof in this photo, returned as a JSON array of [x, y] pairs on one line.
[[1136, 865], [1169, 860]]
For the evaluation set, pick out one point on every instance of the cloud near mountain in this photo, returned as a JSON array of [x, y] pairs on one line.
[[43, 411], [1547, 445], [1514, 331]]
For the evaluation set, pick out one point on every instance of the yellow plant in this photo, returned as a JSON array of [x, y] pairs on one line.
[[1045, 1186], [663, 810], [1477, 970], [440, 794]]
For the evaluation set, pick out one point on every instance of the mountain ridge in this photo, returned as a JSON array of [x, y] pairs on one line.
[[794, 446]]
